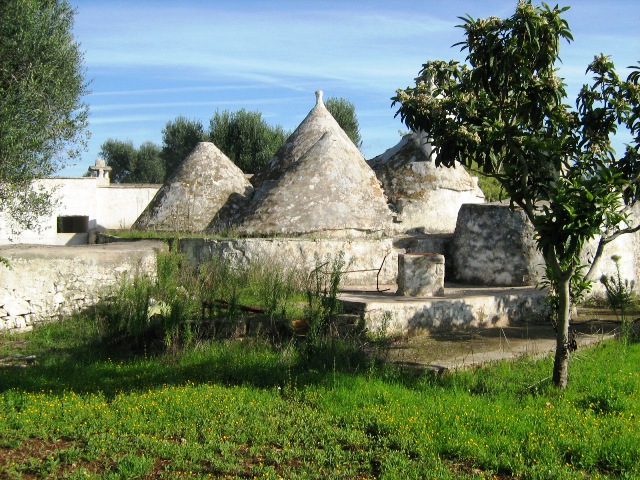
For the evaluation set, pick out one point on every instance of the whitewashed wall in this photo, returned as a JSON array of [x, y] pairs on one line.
[[118, 206], [107, 206]]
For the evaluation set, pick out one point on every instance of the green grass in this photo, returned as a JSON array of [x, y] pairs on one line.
[[246, 409]]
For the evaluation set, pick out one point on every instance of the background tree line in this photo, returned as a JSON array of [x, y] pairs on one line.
[[244, 136]]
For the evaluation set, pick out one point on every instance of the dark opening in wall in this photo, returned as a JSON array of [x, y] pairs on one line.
[[73, 224]]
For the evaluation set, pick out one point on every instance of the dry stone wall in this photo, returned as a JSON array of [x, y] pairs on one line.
[[494, 245], [46, 282], [368, 261]]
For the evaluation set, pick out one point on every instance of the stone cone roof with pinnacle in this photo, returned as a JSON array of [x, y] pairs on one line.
[[425, 197], [205, 192], [318, 183], [317, 122]]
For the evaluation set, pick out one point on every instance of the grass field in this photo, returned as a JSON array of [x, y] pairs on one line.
[[248, 409]]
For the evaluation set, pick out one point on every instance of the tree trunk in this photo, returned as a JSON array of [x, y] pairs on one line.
[[563, 351]]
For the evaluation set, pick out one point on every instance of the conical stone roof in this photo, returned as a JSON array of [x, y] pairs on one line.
[[317, 122], [426, 198], [318, 183], [205, 192]]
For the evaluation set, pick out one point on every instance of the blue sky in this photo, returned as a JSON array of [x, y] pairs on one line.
[[150, 61]]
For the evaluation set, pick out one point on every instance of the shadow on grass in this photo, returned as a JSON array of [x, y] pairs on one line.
[[70, 359]]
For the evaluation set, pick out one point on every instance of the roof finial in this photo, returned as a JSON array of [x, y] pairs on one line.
[[318, 97]]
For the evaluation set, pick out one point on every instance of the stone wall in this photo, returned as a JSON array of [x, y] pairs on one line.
[[495, 246], [45, 282], [364, 258]]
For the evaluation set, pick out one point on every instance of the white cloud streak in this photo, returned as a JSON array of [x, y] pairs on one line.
[[193, 56]]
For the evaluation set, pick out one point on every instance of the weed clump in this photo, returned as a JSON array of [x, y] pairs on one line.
[[221, 298], [621, 298]]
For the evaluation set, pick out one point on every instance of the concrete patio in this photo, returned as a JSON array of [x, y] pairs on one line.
[[469, 326]]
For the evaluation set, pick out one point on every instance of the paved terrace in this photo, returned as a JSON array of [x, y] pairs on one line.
[[469, 326]]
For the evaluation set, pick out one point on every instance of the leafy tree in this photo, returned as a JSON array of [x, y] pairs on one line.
[[133, 165], [344, 113], [246, 138], [42, 119], [120, 156], [179, 138], [505, 111], [149, 165]]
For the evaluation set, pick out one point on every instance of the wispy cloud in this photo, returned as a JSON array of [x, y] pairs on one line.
[[264, 44], [154, 60], [182, 104], [155, 91], [120, 119]]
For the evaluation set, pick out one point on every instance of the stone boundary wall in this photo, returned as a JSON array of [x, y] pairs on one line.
[[495, 246], [46, 282], [363, 257]]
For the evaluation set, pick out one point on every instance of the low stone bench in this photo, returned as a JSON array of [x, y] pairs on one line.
[[420, 275]]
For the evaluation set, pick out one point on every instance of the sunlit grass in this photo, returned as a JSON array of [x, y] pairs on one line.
[[231, 409]]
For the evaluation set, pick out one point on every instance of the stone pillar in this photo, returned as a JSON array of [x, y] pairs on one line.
[[421, 275]]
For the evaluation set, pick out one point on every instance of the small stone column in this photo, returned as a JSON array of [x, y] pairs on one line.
[[101, 171], [421, 275]]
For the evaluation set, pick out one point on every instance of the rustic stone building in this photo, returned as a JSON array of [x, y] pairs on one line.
[[318, 183], [425, 198], [206, 190]]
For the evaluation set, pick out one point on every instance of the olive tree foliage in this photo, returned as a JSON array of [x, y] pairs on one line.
[[133, 165], [344, 112], [179, 138], [149, 166], [506, 111], [246, 138], [42, 118]]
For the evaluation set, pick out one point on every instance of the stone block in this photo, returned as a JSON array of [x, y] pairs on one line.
[[58, 298], [20, 322], [16, 306], [494, 245], [421, 275]]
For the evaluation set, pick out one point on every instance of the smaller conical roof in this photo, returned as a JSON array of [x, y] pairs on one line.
[[399, 163], [206, 189], [425, 197]]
